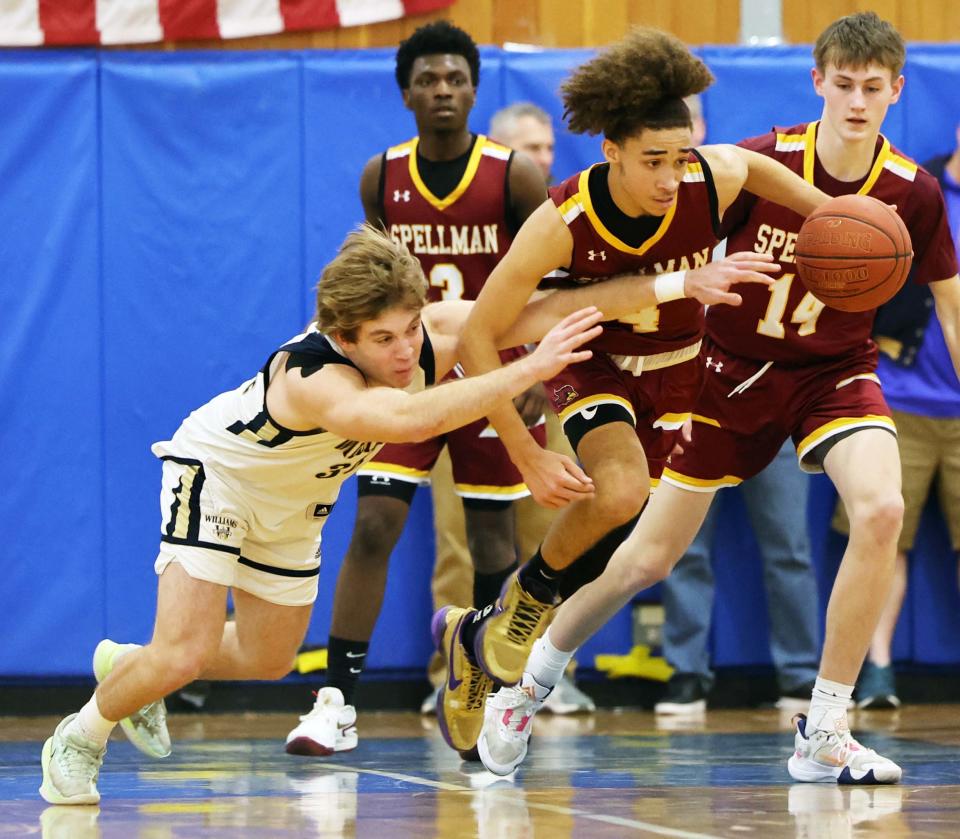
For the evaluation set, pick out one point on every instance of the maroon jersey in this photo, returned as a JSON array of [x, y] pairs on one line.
[[460, 238], [785, 323], [684, 240]]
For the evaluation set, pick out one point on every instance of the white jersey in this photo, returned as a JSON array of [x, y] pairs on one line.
[[287, 479]]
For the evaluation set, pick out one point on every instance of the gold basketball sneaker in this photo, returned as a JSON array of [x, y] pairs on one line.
[[504, 641], [460, 704]]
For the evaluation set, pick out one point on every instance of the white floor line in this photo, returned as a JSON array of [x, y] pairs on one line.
[[507, 798]]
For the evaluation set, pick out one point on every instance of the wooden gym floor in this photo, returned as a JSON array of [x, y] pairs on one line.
[[613, 774]]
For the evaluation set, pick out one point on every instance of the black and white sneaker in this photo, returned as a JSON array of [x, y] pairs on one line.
[[685, 695]]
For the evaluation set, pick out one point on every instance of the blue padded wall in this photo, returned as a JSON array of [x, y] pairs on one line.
[[53, 596], [165, 219]]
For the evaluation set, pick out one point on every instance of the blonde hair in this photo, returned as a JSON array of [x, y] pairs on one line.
[[860, 39], [369, 275]]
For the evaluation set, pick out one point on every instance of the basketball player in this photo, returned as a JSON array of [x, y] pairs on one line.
[[653, 206], [523, 127], [250, 477], [783, 365], [455, 199]]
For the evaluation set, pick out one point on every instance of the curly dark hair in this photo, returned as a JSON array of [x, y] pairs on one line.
[[438, 38], [639, 82]]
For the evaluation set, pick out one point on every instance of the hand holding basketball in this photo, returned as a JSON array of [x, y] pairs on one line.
[[853, 253]]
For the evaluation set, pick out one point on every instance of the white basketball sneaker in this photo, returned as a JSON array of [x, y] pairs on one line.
[[147, 728], [330, 726], [507, 724], [834, 755], [71, 767]]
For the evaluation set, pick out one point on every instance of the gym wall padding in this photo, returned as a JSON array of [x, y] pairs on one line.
[[164, 219]]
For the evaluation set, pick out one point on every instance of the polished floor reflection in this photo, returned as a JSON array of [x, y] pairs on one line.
[[610, 775]]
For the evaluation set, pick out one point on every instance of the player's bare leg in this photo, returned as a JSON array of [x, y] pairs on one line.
[[882, 639], [261, 642], [186, 636], [613, 457], [133, 682], [665, 530], [363, 574], [865, 468]]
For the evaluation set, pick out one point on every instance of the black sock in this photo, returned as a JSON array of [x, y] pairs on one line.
[[536, 578], [539, 580], [592, 562], [345, 660], [468, 635], [486, 587]]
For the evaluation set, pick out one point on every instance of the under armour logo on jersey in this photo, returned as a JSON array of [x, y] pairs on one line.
[[717, 365], [401, 195], [592, 255]]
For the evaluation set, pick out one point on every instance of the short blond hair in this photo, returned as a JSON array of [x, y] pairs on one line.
[[854, 41], [370, 274]]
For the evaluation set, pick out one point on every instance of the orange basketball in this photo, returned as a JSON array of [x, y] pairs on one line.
[[853, 253]]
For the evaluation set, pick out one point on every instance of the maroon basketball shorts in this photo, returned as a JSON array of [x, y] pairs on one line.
[[747, 409], [482, 469], [654, 394]]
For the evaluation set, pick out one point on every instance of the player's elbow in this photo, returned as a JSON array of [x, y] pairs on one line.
[[476, 334]]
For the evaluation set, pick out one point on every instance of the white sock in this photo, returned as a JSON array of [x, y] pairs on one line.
[[546, 663], [828, 705], [91, 725]]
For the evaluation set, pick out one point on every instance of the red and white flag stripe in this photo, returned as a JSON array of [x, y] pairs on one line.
[[26, 23]]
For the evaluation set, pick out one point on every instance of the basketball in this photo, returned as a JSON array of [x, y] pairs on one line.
[[853, 253]]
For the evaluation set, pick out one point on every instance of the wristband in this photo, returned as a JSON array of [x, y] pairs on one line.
[[667, 287]]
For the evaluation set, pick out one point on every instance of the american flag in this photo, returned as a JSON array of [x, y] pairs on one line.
[[25, 23]]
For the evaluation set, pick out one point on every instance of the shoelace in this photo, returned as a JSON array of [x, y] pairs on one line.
[[843, 745], [525, 618], [515, 706], [317, 709], [478, 686], [153, 717], [76, 760]]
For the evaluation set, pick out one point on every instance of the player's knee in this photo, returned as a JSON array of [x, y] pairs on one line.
[[274, 667], [641, 566], [375, 533], [879, 518], [180, 664], [619, 501]]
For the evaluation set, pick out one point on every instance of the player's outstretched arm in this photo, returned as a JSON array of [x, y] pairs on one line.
[[543, 244], [735, 168], [711, 283], [337, 399]]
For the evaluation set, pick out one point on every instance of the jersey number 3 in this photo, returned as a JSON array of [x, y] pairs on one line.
[[447, 277], [806, 313]]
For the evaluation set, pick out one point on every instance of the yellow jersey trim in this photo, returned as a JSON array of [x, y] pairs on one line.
[[401, 472], [699, 484], [837, 425], [583, 193], [487, 490], [596, 399], [810, 155], [472, 165]]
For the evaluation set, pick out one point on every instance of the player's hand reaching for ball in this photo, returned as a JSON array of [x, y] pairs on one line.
[[711, 283]]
